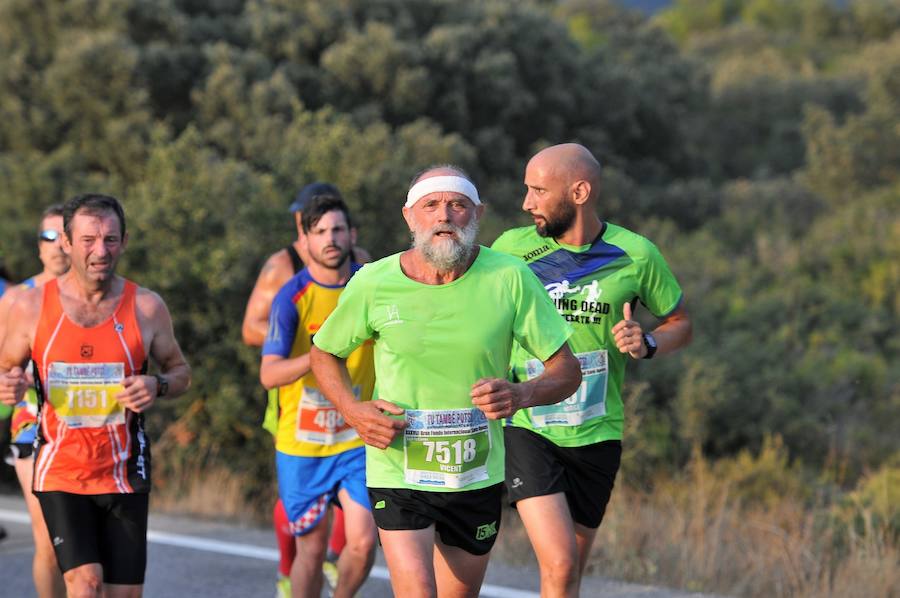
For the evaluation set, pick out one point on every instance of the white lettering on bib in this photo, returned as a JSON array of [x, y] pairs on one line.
[[319, 421]]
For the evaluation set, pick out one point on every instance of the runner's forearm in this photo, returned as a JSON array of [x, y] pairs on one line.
[[674, 333], [332, 377], [560, 378], [279, 371], [253, 331], [178, 378]]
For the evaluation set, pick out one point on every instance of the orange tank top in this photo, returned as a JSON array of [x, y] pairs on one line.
[[87, 442]]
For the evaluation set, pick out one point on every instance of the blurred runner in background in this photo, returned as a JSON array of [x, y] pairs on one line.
[[277, 270], [48, 581]]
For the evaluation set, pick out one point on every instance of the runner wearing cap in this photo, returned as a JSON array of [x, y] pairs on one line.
[[277, 270], [443, 316], [48, 580]]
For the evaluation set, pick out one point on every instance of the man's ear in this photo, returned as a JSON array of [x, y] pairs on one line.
[[408, 216], [581, 191]]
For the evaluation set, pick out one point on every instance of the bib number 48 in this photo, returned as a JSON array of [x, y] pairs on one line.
[[329, 419]]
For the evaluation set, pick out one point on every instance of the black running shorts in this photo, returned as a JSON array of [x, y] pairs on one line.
[[19, 450], [468, 519], [536, 466], [110, 529]]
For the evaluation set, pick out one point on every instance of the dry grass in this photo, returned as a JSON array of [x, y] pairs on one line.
[[705, 532], [214, 494], [192, 480]]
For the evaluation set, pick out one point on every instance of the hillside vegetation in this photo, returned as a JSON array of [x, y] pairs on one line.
[[756, 142]]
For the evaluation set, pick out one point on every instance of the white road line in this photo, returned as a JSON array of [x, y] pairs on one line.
[[258, 552], [14, 516]]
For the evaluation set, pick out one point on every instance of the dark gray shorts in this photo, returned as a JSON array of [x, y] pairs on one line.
[[110, 529], [586, 474], [468, 519]]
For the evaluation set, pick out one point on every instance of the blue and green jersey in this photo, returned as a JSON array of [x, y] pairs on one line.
[[590, 285]]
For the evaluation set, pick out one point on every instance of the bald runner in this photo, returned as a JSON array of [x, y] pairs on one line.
[[562, 459]]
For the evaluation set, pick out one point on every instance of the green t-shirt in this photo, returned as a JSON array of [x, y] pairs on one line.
[[590, 285], [432, 343]]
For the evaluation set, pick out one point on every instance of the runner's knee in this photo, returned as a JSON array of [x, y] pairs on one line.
[[84, 582], [361, 545], [311, 547], [561, 567]]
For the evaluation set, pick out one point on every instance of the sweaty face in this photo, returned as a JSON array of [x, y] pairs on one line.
[[328, 240], [95, 246], [444, 227], [548, 200], [54, 259]]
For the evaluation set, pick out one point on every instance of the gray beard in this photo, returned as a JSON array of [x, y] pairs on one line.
[[446, 255]]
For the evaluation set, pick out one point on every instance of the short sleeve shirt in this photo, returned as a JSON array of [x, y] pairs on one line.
[[308, 425], [589, 286], [432, 343]]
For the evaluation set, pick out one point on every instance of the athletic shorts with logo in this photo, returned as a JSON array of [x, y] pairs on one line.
[[307, 485], [468, 519], [99, 528], [536, 466]]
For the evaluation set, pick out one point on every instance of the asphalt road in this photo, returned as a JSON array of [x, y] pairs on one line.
[[190, 557]]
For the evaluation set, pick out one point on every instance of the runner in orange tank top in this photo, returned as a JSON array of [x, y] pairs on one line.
[[80, 371], [90, 333]]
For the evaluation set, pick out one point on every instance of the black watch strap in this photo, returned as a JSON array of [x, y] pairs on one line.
[[162, 385], [650, 343]]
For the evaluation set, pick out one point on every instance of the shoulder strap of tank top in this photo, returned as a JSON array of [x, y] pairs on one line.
[[127, 308], [49, 319], [296, 262], [51, 305]]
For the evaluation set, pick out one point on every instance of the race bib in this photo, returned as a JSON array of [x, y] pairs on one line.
[[84, 394], [318, 420], [446, 448], [588, 402]]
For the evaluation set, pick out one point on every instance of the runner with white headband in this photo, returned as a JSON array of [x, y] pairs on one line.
[[447, 183], [434, 454]]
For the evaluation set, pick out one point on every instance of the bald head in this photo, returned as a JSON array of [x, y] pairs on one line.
[[563, 184], [569, 163]]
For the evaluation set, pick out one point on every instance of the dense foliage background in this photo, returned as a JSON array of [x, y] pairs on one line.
[[757, 142]]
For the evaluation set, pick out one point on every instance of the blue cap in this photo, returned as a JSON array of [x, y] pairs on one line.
[[310, 192]]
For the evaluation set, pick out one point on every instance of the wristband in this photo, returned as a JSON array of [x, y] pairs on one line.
[[162, 385], [650, 343]]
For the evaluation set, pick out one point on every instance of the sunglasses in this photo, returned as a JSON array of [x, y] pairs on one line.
[[49, 235]]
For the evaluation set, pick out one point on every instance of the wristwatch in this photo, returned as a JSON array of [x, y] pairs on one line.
[[650, 343], [162, 385]]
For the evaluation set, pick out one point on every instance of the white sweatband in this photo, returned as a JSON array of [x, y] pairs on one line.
[[453, 184]]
